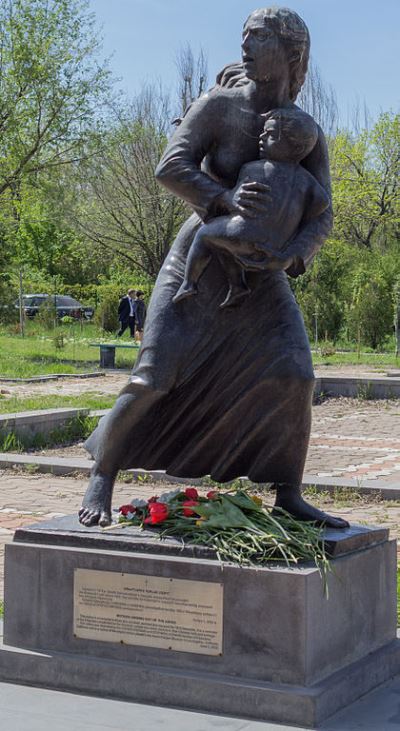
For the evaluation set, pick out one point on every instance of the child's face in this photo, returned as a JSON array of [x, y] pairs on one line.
[[273, 145]]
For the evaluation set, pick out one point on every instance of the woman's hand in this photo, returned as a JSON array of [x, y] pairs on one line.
[[250, 200], [278, 261], [270, 262]]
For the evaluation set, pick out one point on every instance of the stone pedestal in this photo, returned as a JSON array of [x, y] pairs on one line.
[[288, 653]]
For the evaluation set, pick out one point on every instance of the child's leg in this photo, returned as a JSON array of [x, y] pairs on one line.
[[237, 281], [199, 256], [213, 237], [224, 237]]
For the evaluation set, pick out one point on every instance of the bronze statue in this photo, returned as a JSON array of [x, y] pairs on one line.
[[227, 391]]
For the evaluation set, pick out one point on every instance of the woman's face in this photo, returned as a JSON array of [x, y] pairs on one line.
[[263, 53]]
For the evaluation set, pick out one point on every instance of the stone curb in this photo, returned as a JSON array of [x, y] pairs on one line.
[[370, 387], [63, 466]]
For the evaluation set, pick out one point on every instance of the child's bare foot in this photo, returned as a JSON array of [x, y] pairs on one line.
[[235, 296], [185, 290]]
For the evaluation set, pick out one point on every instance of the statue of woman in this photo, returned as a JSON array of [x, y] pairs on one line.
[[224, 392]]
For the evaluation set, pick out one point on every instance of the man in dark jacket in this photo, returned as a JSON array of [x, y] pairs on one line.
[[127, 313]]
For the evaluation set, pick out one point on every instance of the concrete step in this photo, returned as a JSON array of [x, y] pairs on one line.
[[43, 421], [371, 387]]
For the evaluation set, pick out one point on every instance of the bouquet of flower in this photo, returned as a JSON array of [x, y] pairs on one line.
[[234, 523]]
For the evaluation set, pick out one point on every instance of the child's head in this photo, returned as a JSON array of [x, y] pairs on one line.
[[289, 135]]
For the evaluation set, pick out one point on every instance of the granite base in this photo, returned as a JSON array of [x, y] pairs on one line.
[[290, 654]]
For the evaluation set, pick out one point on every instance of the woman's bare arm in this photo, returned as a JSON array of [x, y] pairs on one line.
[[179, 168], [312, 234]]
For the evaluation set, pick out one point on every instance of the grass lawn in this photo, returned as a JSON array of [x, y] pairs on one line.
[[66, 349], [63, 350], [377, 360]]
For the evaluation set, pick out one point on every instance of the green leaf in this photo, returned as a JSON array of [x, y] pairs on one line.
[[224, 514]]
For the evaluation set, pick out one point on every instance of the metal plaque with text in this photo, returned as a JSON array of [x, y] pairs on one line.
[[151, 611]]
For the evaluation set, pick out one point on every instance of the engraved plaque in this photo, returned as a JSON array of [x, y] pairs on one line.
[[173, 614]]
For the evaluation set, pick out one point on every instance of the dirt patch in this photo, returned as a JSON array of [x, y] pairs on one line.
[[112, 383], [109, 384]]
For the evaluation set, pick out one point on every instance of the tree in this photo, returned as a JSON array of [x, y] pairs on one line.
[[366, 184], [370, 315], [119, 205], [192, 75], [319, 100], [52, 88], [323, 291], [43, 240], [51, 85]]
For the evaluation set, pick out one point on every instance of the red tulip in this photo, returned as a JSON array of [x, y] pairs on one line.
[[191, 493], [158, 513], [187, 504], [125, 509]]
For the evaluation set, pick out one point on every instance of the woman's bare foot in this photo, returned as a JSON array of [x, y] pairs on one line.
[[185, 290], [288, 498], [96, 505]]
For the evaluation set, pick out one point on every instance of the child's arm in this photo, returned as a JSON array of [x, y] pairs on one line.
[[251, 172]]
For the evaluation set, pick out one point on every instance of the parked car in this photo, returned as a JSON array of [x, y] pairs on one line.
[[65, 305]]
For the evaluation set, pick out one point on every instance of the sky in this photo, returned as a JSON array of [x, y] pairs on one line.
[[355, 43]]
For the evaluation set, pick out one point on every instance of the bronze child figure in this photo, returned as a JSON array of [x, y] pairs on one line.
[[288, 137]]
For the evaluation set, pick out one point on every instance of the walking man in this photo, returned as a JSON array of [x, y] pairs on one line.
[[126, 313]]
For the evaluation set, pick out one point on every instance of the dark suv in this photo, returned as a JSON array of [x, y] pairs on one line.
[[64, 304]]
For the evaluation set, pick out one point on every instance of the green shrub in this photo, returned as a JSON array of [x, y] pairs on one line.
[[58, 341], [9, 313], [106, 315], [370, 317], [327, 349]]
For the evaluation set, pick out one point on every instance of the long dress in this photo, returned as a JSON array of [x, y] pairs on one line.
[[234, 385]]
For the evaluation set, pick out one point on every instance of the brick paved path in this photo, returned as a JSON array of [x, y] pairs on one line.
[[350, 438], [357, 439]]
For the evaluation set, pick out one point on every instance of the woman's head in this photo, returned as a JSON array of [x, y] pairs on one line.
[[272, 37]]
